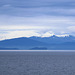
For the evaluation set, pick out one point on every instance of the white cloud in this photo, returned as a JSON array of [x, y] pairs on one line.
[[52, 21], [22, 27], [71, 28], [16, 34], [48, 34], [62, 35], [36, 17], [44, 26]]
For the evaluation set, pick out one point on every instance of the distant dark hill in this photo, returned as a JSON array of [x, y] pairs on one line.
[[51, 43], [54, 39], [38, 48], [9, 49], [21, 43], [69, 43], [58, 43]]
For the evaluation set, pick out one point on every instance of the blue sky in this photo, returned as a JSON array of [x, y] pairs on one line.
[[25, 18]]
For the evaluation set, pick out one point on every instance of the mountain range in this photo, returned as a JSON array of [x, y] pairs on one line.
[[50, 43]]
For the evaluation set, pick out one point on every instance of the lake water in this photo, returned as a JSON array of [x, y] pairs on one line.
[[37, 62]]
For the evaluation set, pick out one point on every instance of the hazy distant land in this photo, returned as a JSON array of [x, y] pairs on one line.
[[39, 43]]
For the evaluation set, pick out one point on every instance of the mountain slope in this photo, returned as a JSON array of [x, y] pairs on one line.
[[21, 43], [54, 39], [51, 43]]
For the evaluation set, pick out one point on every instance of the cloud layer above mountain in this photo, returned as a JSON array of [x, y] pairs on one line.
[[19, 18]]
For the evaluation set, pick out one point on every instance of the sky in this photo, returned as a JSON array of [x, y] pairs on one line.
[[42, 18]]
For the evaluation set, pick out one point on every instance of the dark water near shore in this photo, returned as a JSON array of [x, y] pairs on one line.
[[37, 62]]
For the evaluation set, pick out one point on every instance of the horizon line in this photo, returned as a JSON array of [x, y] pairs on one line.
[[38, 50]]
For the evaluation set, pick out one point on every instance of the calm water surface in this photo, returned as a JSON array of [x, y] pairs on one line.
[[37, 62]]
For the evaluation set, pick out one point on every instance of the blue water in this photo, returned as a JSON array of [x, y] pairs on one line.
[[37, 62]]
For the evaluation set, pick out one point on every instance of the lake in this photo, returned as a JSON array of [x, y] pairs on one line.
[[37, 62]]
